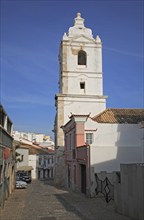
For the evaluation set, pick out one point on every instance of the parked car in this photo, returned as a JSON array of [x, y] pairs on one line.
[[26, 178], [21, 184], [23, 176]]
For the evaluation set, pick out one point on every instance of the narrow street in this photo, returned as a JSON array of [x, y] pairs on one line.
[[43, 201]]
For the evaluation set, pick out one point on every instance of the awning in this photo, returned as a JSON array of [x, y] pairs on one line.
[[25, 168]]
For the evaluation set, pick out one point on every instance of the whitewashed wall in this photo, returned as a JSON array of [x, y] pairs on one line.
[[115, 144], [33, 162], [91, 74], [25, 153], [83, 105]]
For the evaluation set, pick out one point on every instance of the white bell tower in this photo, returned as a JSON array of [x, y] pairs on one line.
[[80, 76]]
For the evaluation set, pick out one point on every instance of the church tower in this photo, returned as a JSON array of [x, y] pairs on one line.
[[80, 76]]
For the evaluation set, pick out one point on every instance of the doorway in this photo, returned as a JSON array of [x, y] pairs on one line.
[[69, 175], [83, 178]]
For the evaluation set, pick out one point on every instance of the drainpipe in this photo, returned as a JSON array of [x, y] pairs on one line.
[[88, 169]]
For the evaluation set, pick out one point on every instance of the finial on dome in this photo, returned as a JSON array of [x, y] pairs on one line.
[[79, 21], [79, 28], [78, 14]]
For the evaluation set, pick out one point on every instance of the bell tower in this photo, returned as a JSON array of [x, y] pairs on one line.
[[80, 76]]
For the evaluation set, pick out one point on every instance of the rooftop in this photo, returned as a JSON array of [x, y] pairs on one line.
[[120, 116]]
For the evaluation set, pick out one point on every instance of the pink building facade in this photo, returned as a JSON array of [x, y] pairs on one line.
[[77, 155]]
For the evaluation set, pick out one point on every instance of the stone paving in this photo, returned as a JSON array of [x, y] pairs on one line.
[[43, 201]]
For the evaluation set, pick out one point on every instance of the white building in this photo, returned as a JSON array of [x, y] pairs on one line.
[[43, 164], [33, 162], [36, 160], [97, 146], [29, 138], [80, 81], [118, 139]]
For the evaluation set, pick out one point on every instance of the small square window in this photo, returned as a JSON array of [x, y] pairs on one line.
[[82, 85]]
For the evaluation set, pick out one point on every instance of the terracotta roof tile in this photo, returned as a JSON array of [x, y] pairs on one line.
[[120, 116]]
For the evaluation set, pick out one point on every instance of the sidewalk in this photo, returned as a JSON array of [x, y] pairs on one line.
[[43, 201]]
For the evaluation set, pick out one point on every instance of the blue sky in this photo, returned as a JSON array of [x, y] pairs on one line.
[[31, 32]]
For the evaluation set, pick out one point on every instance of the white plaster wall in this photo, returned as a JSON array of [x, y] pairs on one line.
[[91, 99], [118, 135], [91, 125], [23, 152], [93, 83], [115, 144], [94, 55], [16, 135], [33, 162], [83, 106], [39, 137], [109, 158], [91, 73]]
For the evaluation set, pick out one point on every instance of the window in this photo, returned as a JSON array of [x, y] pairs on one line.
[[22, 157], [25, 136], [82, 57], [44, 162], [2, 116], [9, 126], [89, 138], [40, 160], [82, 85]]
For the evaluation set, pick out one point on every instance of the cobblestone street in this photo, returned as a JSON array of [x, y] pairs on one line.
[[43, 201]]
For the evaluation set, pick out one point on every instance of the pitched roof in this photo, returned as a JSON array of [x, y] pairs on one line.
[[33, 149], [120, 116]]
